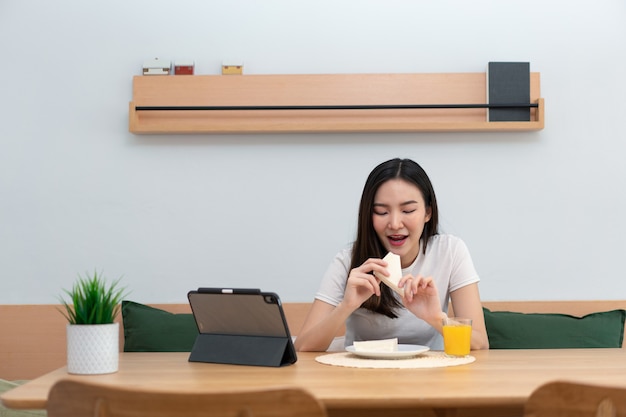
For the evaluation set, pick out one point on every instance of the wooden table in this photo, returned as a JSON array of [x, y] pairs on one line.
[[497, 383]]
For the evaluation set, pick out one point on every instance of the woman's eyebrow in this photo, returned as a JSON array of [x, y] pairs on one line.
[[406, 203]]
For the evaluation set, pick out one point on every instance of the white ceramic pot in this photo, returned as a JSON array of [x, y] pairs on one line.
[[92, 348]]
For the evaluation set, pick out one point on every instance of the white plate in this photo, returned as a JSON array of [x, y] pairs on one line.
[[404, 351]]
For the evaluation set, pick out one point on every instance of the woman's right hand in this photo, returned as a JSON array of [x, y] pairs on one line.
[[325, 320], [362, 283]]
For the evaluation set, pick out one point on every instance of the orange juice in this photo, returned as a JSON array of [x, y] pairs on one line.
[[457, 335]]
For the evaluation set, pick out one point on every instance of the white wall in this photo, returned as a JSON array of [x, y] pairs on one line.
[[542, 212]]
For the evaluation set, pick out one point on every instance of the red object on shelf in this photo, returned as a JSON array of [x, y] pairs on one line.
[[183, 68]]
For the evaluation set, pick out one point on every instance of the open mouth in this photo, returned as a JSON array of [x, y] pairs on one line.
[[397, 240]]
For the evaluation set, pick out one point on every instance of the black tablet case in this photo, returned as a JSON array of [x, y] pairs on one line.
[[240, 327], [509, 83]]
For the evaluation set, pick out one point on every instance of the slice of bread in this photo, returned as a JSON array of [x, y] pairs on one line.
[[395, 272], [385, 345]]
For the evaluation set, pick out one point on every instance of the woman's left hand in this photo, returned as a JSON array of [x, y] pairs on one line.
[[421, 297]]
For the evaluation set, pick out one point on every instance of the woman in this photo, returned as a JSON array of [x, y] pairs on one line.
[[398, 213]]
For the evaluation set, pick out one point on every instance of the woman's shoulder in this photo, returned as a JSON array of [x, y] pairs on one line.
[[444, 239], [343, 257], [446, 249], [444, 242]]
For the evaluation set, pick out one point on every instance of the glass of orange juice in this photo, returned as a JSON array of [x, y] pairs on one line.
[[457, 335]]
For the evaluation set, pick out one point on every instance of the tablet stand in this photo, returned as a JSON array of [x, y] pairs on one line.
[[243, 350]]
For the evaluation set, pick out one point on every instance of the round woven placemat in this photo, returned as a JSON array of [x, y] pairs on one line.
[[425, 360]]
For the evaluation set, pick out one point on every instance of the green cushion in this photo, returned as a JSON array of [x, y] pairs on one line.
[[509, 330], [6, 412], [148, 329]]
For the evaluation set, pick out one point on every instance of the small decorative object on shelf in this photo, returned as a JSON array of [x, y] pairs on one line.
[[92, 333], [232, 68], [183, 67], [157, 66]]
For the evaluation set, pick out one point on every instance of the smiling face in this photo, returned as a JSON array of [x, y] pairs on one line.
[[399, 215]]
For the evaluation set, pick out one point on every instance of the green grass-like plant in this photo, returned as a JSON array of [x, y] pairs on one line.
[[92, 300]]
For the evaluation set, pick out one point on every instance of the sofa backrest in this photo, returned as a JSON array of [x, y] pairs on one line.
[[32, 336]]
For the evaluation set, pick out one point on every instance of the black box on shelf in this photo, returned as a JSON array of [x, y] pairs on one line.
[[508, 83]]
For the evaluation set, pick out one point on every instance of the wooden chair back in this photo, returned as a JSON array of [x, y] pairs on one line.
[[73, 398], [570, 399]]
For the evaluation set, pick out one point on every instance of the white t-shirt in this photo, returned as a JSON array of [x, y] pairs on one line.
[[447, 260]]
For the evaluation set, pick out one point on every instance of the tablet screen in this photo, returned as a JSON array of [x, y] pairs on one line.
[[252, 314]]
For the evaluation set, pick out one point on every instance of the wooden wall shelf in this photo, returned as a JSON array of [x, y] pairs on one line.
[[319, 90]]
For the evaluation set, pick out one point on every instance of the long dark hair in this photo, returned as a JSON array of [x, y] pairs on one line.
[[368, 245]]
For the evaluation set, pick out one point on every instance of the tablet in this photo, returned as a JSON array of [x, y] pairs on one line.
[[240, 326]]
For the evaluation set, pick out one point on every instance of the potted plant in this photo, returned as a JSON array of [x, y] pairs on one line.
[[92, 333]]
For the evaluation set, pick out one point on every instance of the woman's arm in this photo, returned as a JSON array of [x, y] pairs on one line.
[[320, 327], [466, 303], [324, 320]]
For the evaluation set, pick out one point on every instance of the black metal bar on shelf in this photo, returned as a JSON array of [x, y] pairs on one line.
[[343, 107]]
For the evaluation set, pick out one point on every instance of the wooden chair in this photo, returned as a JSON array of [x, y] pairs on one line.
[[73, 398], [570, 399]]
